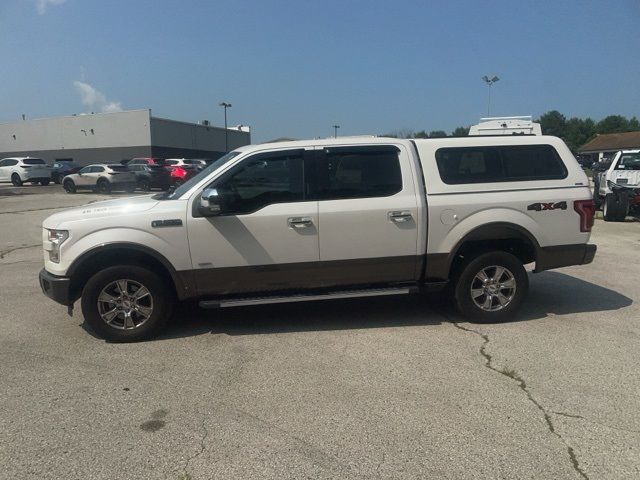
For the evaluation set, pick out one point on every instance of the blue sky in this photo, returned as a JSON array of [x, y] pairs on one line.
[[294, 68]]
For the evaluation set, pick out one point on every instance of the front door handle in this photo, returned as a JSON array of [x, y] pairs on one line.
[[399, 217], [299, 222]]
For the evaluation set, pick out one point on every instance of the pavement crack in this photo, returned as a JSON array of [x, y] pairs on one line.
[[580, 417], [523, 386], [203, 439], [4, 253]]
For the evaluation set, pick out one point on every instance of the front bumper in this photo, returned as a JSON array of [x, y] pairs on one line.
[[55, 287], [564, 256]]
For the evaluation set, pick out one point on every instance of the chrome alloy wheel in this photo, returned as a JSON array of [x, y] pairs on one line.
[[493, 288], [125, 304]]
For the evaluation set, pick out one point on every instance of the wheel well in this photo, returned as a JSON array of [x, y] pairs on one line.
[[112, 257], [494, 237]]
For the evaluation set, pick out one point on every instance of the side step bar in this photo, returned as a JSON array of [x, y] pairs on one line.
[[239, 302]]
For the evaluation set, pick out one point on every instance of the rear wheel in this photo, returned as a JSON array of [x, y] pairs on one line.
[[44, 182], [69, 186], [103, 186], [16, 180], [126, 303], [491, 287], [56, 179], [616, 207]]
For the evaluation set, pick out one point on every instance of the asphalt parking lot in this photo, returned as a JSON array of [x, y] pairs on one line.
[[395, 387]]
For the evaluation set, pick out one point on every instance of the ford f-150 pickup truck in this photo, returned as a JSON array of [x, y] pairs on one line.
[[324, 219]]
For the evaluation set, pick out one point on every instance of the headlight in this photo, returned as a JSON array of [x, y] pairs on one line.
[[57, 238]]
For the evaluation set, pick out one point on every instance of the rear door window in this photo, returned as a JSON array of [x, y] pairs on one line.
[[34, 161], [358, 172], [505, 163]]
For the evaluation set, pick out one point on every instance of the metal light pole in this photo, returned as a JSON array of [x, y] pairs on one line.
[[226, 132], [489, 82], [335, 131]]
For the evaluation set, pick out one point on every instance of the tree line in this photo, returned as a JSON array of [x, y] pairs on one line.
[[574, 131]]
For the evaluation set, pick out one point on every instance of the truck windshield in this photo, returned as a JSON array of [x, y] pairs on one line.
[[186, 186], [629, 161]]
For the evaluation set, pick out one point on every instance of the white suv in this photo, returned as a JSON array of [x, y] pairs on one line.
[[101, 178], [19, 170]]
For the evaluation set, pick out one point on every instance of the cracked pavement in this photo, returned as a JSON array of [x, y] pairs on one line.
[[371, 388]]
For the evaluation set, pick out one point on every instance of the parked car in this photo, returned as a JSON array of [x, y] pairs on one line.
[[151, 176], [145, 161], [199, 164], [101, 178], [585, 161], [617, 188], [323, 219], [181, 173], [19, 170], [61, 168]]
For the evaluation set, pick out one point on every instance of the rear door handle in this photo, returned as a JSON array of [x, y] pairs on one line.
[[398, 216], [299, 222]]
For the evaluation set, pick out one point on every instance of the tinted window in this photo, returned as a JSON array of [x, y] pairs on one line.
[[4, 163], [85, 170], [261, 181], [34, 161], [118, 168], [358, 173], [97, 169], [172, 162], [508, 163], [629, 161]]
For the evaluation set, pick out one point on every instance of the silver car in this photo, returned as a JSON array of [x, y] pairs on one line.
[[101, 178]]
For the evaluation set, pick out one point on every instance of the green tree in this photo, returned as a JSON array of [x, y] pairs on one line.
[[613, 124], [437, 134], [460, 132], [553, 123]]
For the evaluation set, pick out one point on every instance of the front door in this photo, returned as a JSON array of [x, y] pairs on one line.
[[266, 237], [368, 215], [84, 177]]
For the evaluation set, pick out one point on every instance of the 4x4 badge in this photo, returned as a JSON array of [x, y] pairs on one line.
[[541, 206]]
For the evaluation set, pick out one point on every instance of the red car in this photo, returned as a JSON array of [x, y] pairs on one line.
[[181, 173]]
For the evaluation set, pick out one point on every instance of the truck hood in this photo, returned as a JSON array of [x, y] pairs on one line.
[[107, 208]]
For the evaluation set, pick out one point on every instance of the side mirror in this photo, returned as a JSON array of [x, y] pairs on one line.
[[210, 203]]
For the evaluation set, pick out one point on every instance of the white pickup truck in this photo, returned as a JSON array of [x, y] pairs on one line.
[[324, 219]]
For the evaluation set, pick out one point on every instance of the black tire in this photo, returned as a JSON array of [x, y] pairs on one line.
[[616, 207], [130, 188], [160, 299], [103, 186], [69, 186], [44, 182], [16, 180], [144, 185], [56, 179], [492, 310]]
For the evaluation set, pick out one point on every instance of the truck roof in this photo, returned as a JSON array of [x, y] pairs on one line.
[[452, 141]]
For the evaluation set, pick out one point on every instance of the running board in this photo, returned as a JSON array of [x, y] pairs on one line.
[[239, 302]]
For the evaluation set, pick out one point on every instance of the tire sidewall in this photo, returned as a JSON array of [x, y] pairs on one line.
[[464, 301], [69, 186], [160, 293], [16, 180], [103, 186]]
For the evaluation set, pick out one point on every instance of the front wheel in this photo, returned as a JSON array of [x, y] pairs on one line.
[[44, 182], [126, 303], [491, 287], [69, 186]]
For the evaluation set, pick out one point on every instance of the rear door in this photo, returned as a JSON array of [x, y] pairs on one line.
[[368, 215]]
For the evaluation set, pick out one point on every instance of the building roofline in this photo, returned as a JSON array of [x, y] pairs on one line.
[[76, 115]]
